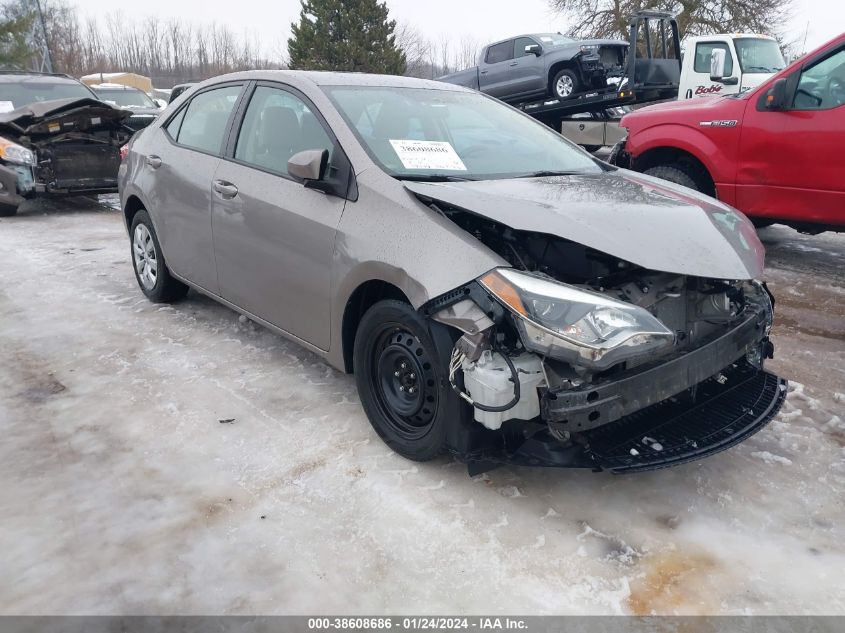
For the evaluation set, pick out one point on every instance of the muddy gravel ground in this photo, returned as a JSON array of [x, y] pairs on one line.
[[180, 459]]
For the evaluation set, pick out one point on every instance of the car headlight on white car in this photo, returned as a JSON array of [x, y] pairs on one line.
[[577, 326], [14, 153]]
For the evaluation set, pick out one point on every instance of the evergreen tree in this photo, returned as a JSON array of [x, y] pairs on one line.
[[350, 35], [14, 48]]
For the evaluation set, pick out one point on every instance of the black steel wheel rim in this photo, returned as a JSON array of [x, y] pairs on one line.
[[403, 380]]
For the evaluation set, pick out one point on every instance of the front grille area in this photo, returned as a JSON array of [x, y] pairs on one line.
[[80, 166]]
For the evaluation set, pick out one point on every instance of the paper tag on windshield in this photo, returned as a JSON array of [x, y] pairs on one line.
[[6, 106], [438, 155]]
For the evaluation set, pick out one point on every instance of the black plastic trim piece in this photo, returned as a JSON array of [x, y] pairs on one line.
[[595, 405]]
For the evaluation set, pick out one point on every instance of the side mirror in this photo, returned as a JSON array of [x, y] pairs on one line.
[[776, 96], [717, 64], [730, 81], [161, 103], [533, 49], [309, 167]]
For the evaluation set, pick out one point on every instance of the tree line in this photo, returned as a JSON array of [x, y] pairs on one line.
[[350, 35]]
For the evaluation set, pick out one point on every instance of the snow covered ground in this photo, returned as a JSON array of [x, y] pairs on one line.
[[180, 459]]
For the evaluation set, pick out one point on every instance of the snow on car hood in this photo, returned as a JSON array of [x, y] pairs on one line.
[[643, 220]]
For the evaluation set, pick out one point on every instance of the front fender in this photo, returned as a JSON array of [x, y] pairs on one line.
[[716, 157]]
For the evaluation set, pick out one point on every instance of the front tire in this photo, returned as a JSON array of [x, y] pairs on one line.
[[8, 210], [151, 272], [677, 175], [402, 380], [565, 84]]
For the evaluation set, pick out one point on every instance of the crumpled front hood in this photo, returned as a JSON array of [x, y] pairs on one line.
[[642, 220], [26, 117]]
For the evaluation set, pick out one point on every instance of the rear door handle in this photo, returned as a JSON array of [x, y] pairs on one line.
[[483, 72], [226, 189], [153, 161], [514, 63]]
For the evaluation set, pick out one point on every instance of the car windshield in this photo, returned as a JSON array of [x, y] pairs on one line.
[[758, 55], [15, 95], [424, 134], [126, 98]]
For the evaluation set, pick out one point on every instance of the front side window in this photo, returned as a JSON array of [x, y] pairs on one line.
[[277, 125], [419, 133], [206, 118], [500, 52], [519, 46], [703, 52], [822, 86]]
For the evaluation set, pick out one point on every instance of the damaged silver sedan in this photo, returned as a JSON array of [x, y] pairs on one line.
[[498, 293]]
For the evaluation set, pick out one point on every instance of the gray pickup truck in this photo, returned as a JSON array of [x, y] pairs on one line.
[[543, 65]]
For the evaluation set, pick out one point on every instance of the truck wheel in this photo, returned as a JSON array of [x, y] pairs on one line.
[[565, 84], [402, 379], [8, 210], [151, 271], [678, 175]]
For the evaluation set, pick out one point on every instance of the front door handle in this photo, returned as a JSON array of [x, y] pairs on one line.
[[153, 161], [483, 72], [514, 63], [226, 189]]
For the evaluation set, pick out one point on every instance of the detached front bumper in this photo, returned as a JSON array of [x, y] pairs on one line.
[[679, 410], [678, 430], [601, 403]]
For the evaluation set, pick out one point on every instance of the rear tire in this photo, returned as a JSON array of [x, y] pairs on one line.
[[8, 210], [565, 84], [402, 379], [151, 272], [678, 175], [592, 148]]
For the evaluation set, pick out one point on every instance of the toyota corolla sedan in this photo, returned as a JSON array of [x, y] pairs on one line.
[[498, 293]]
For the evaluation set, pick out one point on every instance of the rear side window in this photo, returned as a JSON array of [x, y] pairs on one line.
[[278, 124], [204, 122], [703, 50], [500, 52]]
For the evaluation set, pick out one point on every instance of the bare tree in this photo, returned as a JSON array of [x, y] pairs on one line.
[[609, 18]]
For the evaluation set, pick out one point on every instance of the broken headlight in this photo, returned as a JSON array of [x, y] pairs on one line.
[[577, 326], [14, 153]]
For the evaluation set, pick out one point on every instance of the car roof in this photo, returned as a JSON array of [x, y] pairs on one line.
[[114, 87], [16, 77], [326, 78]]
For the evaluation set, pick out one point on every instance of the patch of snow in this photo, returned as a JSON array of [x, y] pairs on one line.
[[769, 458]]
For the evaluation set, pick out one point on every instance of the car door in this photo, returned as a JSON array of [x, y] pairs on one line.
[[178, 170], [273, 237], [791, 162], [528, 71], [495, 74]]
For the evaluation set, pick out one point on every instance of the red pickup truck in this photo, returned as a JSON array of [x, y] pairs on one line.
[[776, 152]]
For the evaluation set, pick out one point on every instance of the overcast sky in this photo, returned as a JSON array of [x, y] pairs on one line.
[[484, 20]]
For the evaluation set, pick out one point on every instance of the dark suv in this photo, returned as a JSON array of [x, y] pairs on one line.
[[56, 138]]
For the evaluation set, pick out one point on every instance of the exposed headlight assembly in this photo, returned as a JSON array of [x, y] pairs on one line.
[[577, 326], [14, 153]]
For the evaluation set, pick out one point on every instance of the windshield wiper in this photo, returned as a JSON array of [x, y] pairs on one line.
[[433, 178], [540, 174]]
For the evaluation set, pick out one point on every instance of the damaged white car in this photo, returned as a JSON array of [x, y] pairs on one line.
[[498, 293]]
